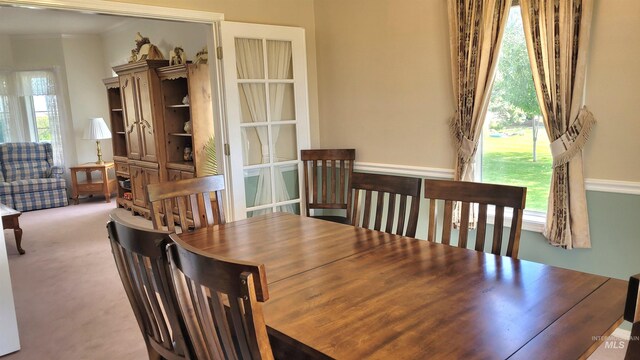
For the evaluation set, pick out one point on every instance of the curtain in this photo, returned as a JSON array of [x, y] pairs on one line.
[[43, 83], [250, 65], [557, 35], [476, 28], [475, 31], [5, 110], [279, 65]]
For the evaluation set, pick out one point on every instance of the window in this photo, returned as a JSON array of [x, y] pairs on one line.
[[39, 116], [29, 109], [515, 147]]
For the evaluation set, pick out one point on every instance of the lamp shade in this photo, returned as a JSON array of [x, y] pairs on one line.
[[97, 129]]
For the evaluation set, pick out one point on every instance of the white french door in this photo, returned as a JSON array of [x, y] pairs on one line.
[[267, 115]]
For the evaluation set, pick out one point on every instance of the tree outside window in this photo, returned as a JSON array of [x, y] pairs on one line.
[[515, 148]]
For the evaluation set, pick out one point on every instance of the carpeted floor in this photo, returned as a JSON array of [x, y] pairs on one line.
[[69, 299], [70, 303]]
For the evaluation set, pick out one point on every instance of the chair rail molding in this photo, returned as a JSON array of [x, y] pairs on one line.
[[613, 186], [393, 169], [121, 8], [602, 185]]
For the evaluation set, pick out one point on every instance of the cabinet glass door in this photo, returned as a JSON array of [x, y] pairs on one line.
[[267, 115]]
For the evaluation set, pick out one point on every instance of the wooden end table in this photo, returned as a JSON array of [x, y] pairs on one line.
[[103, 185], [10, 221]]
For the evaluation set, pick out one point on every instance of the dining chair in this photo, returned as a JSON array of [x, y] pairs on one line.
[[327, 176], [632, 314], [190, 200], [388, 190], [220, 300], [469, 194], [141, 260]]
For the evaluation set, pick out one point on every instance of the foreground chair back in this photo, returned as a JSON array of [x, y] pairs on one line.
[[141, 260], [219, 299], [470, 193], [327, 176], [190, 199], [632, 314], [388, 188]]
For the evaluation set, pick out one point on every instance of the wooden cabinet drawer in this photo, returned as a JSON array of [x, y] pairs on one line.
[[91, 187], [122, 168]]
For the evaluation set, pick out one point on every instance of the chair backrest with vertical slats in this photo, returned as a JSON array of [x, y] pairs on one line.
[[189, 200], [141, 260], [387, 188], [220, 301], [469, 194], [327, 176], [632, 314]]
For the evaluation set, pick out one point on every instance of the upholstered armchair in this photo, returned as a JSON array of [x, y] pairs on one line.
[[29, 180]]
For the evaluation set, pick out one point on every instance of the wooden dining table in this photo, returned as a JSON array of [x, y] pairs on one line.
[[342, 292]]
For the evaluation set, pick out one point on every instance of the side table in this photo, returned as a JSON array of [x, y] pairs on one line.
[[10, 221], [89, 186]]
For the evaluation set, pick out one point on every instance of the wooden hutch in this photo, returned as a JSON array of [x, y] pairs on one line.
[[150, 104]]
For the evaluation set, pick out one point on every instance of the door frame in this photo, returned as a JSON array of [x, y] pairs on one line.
[[302, 127], [212, 19]]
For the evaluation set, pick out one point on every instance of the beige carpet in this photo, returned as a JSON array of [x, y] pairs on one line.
[[70, 303], [69, 299]]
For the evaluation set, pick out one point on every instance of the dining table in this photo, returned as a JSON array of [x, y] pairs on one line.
[[337, 291]]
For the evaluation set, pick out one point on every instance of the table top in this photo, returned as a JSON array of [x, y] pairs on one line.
[[353, 293], [89, 166], [7, 211]]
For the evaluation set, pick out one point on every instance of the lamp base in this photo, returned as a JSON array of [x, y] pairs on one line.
[[99, 153]]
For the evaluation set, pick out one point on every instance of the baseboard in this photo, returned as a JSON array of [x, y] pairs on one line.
[[602, 185]]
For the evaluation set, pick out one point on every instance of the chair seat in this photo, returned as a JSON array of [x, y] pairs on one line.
[[332, 218]]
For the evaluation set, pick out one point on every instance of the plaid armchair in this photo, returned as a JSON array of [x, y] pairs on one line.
[[29, 180]]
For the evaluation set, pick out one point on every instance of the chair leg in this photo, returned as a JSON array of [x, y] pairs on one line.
[[153, 354]]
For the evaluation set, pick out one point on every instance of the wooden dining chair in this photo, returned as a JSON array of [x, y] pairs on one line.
[[632, 314], [141, 259], [470, 193], [327, 176], [189, 200], [388, 189], [220, 301]]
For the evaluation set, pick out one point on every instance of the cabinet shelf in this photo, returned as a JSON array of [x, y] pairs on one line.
[[120, 132], [116, 110], [181, 134], [178, 106]]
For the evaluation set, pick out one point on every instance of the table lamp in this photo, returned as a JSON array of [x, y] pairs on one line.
[[97, 130]]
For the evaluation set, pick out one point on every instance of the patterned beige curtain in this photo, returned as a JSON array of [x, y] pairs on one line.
[[557, 34], [475, 30]]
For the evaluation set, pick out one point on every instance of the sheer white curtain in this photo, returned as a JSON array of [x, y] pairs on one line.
[[279, 56], [44, 83], [5, 111], [250, 65]]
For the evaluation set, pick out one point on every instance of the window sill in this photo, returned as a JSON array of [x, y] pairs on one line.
[[533, 221]]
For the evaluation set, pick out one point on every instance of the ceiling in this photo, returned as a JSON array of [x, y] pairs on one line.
[[23, 21]]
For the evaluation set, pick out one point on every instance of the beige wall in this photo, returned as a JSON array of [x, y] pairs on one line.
[[84, 61], [384, 80], [384, 83], [612, 91], [299, 13]]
